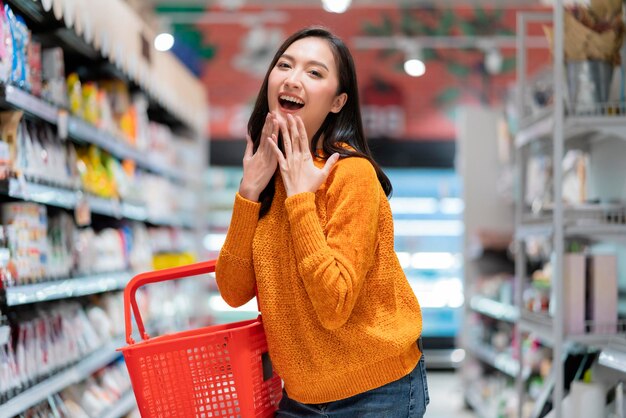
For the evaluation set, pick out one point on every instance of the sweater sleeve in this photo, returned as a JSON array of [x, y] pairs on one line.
[[234, 271], [333, 262]]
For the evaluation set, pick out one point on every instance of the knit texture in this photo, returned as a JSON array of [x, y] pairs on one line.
[[338, 311]]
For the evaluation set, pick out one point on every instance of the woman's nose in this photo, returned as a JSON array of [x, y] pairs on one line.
[[293, 80]]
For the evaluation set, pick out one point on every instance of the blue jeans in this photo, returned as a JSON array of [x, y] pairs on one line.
[[403, 398]]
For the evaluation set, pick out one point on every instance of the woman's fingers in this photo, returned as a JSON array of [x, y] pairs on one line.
[[275, 126], [267, 130], [249, 147], [304, 140], [294, 134], [267, 126], [273, 144], [330, 162]]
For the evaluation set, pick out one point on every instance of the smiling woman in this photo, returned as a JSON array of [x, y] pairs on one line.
[[312, 236], [303, 73]]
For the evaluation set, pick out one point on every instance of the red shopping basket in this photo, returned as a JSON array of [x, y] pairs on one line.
[[217, 371]]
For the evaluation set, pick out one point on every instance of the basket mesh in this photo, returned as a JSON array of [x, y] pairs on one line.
[[205, 376]]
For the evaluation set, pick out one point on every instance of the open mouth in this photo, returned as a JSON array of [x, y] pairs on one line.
[[290, 102]]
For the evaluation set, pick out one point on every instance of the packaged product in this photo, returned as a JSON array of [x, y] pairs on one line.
[[6, 46]]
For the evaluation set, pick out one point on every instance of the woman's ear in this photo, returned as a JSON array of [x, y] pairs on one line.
[[338, 102]]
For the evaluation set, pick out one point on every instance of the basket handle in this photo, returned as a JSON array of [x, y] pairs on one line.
[[142, 279]]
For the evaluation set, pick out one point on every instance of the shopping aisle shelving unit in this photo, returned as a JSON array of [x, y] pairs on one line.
[[74, 374], [555, 130], [488, 209], [114, 36], [63, 289]]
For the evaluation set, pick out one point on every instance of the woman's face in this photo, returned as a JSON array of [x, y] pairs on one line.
[[304, 82]]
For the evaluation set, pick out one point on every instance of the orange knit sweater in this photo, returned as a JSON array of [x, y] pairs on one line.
[[339, 314]]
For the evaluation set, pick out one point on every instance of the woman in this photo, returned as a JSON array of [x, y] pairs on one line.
[[312, 231]]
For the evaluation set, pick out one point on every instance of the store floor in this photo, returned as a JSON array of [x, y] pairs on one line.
[[446, 396]]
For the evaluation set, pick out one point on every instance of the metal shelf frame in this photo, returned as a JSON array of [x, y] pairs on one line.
[[556, 129], [578, 126], [553, 124]]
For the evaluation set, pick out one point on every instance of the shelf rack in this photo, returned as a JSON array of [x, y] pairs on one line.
[[554, 130], [122, 407], [72, 375], [494, 309], [81, 131], [67, 288], [500, 361], [115, 38], [69, 198]]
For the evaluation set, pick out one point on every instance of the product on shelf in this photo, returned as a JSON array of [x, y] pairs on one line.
[[20, 39], [91, 397], [9, 125], [6, 45], [26, 230], [54, 88], [35, 68], [44, 344]]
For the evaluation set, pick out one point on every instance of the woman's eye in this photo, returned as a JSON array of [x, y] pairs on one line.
[[282, 65], [315, 73]]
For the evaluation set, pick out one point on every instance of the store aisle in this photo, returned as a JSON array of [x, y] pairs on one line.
[[446, 396]]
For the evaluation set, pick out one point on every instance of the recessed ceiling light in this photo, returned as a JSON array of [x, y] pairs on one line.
[[164, 41], [336, 6]]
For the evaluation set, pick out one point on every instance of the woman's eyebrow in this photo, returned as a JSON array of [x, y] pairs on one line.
[[321, 64]]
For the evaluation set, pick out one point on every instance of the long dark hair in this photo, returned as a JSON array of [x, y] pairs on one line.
[[342, 127]]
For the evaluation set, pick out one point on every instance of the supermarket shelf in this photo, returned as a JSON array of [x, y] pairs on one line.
[[79, 286], [500, 361], [20, 99], [541, 127], [59, 381], [539, 324], [473, 400], [596, 231], [123, 406], [533, 229], [494, 309], [86, 132], [591, 230], [69, 198], [40, 193], [182, 221], [542, 326], [83, 131], [613, 356]]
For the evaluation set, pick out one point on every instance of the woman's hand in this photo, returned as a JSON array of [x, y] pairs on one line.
[[296, 165], [259, 166]]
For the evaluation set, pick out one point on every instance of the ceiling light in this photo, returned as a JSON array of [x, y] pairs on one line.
[[164, 41], [493, 61], [414, 67], [336, 6]]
